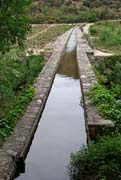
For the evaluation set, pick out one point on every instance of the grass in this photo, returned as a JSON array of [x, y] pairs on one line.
[[48, 36], [107, 36], [36, 29]]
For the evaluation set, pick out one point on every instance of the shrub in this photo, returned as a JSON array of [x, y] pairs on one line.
[[17, 74], [92, 17], [100, 161], [16, 71], [93, 31], [8, 122], [109, 72], [106, 103], [83, 16]]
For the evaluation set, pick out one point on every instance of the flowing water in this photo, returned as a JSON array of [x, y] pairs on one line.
[[61, 130]]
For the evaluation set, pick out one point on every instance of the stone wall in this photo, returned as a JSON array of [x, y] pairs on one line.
[[15, 149], [87, 77]]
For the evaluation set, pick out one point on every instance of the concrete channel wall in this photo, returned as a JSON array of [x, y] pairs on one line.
[[15, 148], [87, 78]]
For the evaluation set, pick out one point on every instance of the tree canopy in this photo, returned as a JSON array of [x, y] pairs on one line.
[[14, 22]]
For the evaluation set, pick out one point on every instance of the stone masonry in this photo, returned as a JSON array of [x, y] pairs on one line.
[[16, 146], [87, 77]]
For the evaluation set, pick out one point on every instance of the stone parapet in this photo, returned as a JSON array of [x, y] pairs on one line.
[[87, 77], [15, 148]]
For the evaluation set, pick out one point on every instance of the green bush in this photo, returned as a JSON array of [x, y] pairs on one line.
[[17, 74], [106, 103], [93, 31], [92, 17], [83, 16], [100, 161], [8, 122], [16, 71], [108, 72]]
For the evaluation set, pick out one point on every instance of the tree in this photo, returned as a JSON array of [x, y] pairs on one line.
[[14, 23]]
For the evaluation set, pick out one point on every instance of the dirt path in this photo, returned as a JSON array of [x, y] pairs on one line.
[[86, 28], [87, 25], [101, 53], [37, 34]]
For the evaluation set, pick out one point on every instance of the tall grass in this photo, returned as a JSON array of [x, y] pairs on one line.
[[108, 36]]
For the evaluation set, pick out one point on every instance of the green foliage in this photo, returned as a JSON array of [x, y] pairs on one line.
[[83, 16], [108, 35], [9, 72], [16, 71], [109, 73], [8, 122], [106, 95], [92, 17], [100, 161], [106, 103], [63, 11], [14, 23], [17, 74], [93, 31], [56, 15]]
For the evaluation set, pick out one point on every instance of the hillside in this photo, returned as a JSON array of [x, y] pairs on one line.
[[59, 11]]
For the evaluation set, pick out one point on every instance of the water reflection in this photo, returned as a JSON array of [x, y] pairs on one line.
[[61, 130], [68, 66]]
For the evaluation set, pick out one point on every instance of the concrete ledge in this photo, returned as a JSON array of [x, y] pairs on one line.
[[16, 146], [88, 80]]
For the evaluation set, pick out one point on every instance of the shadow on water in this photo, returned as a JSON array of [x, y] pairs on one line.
[[68, 66], [61, 130]]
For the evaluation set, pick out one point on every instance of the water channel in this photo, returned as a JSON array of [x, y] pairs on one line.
[[61, 130]]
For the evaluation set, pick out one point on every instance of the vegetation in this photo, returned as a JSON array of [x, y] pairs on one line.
[[14, 23], [16, 110], [107, 36], [48, 36], [106, 103], [100, 161], [107, 95], [17, 74], [70, 11], [35, 29]]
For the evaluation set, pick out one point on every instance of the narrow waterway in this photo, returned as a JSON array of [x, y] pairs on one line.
[[61, 130]]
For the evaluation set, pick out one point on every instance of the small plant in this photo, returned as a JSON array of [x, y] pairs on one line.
[[100, 161]]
